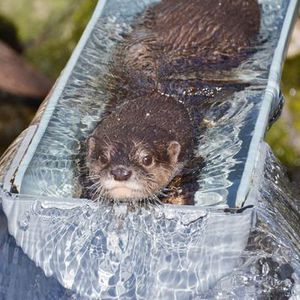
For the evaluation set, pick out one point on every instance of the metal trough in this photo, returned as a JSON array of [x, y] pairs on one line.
[[95, 251]]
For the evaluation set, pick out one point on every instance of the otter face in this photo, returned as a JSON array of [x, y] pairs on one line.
[[130, 171]]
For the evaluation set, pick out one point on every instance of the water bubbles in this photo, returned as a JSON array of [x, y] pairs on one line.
[[265, 269], [98, 244], [185, 253], [120, 209], [37, 207], [7, 194], [24, 221], [87, 212]]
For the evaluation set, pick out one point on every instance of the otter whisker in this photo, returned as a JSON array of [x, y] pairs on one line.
[[100, 195], [83, 169], [154, 200], [96, 190], [92, 189], [93, 176], [95, 184], [161, 193]]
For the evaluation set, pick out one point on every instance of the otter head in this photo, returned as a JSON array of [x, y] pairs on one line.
[[131, 168]]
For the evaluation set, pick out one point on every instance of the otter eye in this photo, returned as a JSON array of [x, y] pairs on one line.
[[147, 160], [103, 159]]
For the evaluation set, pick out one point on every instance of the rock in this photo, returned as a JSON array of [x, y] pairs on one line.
[[294, 47], [18, 78]]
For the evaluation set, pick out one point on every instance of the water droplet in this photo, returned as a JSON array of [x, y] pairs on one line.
[[24, 221]]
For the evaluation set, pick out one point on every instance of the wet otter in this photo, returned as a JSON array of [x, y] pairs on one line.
[[176, 41], [153, 117], [130, 161]]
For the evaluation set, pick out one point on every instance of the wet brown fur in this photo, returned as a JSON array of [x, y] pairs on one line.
[[135, 129], [175, 37], [155, 120], [153, 90]]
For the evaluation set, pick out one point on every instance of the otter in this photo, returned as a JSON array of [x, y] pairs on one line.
[[175, 44], [140, 147], [159, 92]]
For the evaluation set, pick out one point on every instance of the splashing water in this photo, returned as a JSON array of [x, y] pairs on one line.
[[269, 267], [110, 252], [55, 167], [98, 251]]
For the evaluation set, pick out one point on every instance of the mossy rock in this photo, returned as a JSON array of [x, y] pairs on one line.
[[49, 30], [53, 50], [284, 136], [9, 34]]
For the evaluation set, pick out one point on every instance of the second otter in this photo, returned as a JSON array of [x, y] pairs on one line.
[[176, 41], [149, 133]]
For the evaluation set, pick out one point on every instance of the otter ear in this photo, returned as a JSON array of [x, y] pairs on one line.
[[91, 145], [173, 151]]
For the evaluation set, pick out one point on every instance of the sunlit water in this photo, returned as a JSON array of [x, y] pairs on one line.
[[269, 267], [160, 252], [54, 169]]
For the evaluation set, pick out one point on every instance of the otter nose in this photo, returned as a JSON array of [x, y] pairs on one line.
[[121, 174]]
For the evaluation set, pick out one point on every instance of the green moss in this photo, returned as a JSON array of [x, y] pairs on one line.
[[50, 30], [279, 137], [31, 16], [57, 44], [81, 17], [291, 74]]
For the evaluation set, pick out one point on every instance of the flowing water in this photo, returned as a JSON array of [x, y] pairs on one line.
[[100, 251], [269, 267], [162, 253], [55, 167]]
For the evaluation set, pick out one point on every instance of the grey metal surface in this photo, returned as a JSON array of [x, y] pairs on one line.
[[224, 181], [270, 103], [138, 253]]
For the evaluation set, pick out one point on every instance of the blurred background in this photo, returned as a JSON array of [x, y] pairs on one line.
[[37, 38]]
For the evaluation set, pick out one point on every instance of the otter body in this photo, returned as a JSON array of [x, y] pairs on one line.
[[155, 111], [177, 40]]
